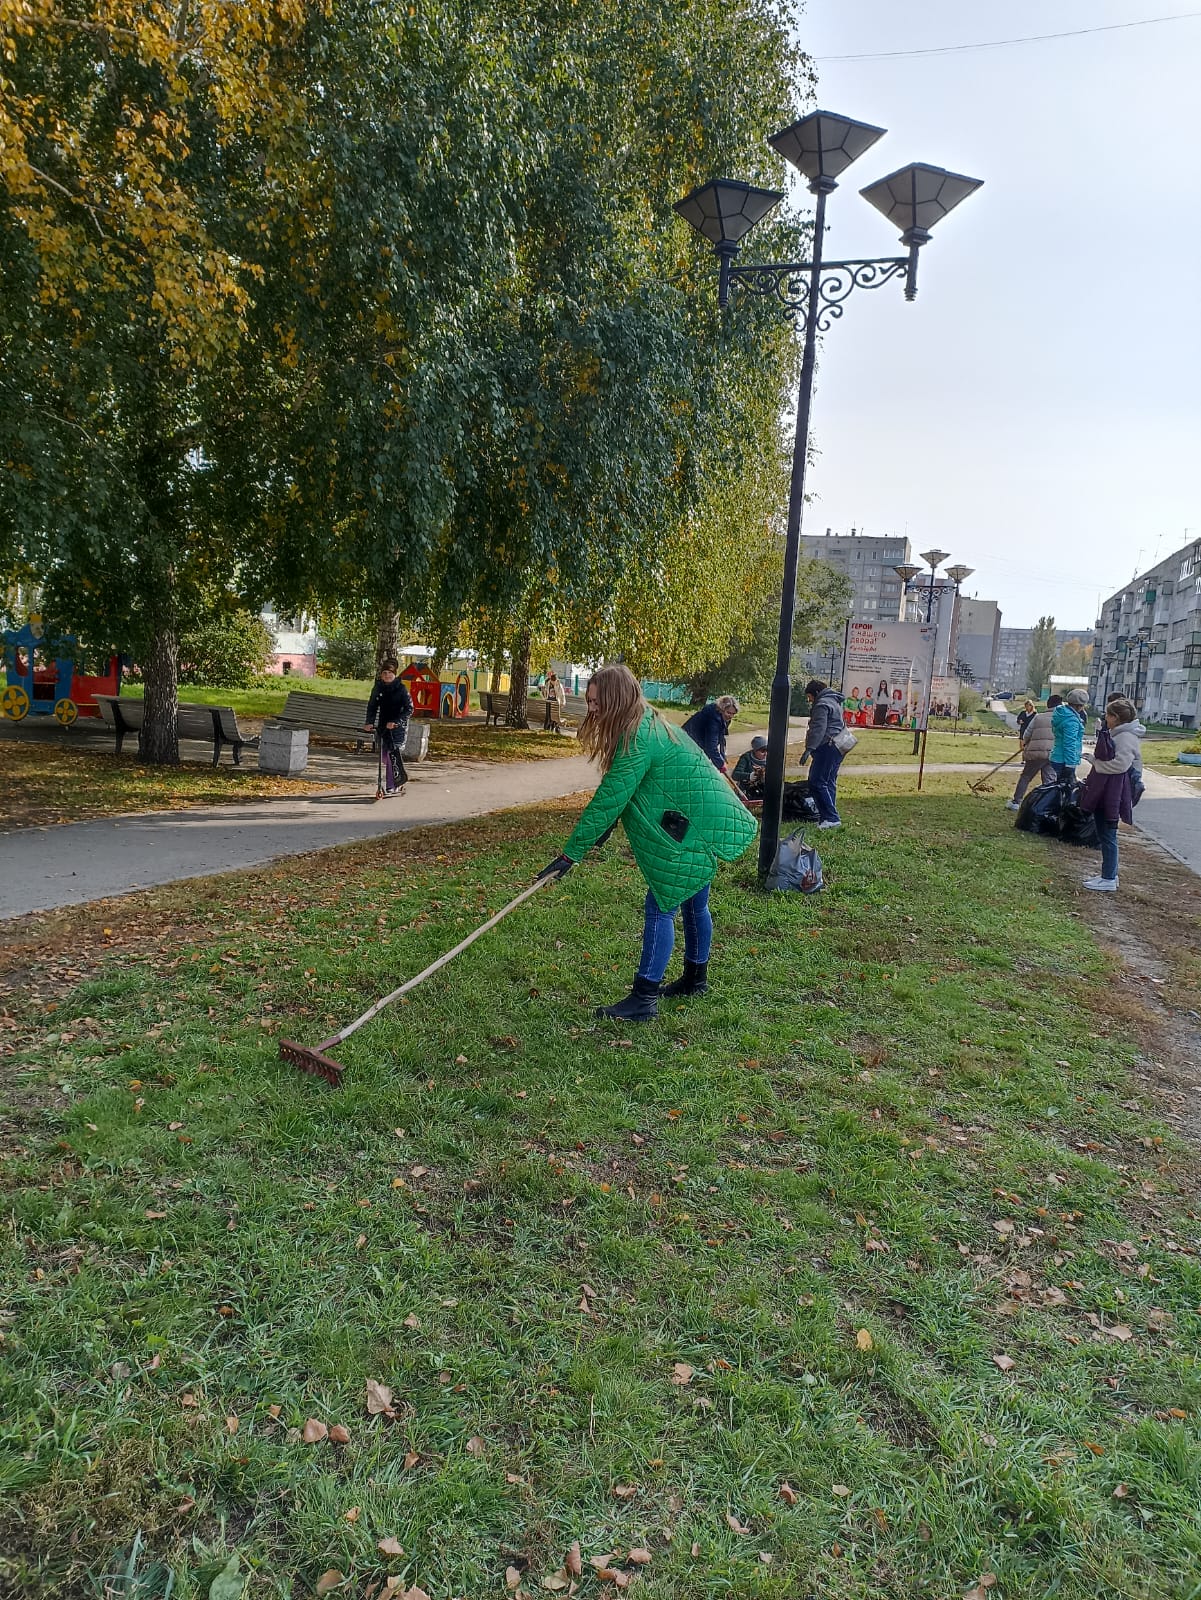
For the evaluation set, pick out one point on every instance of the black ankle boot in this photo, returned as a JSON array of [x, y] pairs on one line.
[[694, 981], [640, 1005]]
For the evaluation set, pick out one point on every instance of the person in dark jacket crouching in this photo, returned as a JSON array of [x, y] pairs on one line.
[[388, 713], [825, 723]]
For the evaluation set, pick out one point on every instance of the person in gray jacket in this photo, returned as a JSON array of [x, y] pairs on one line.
[[824, 757], [1038, 740]]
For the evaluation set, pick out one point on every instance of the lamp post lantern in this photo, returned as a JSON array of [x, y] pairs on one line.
[[821, 146], [958, 574]]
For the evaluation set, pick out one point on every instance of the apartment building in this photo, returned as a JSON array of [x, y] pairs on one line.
[[1013, 650], [868, 561], [977, 634], [1148, 641]]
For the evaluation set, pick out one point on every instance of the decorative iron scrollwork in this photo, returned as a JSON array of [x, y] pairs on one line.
[[788, 282]]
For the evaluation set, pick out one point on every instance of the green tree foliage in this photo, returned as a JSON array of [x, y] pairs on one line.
[[1075, 658], [1040, 660], [386, 304], [133, 144], [748, 666], [226, 651]]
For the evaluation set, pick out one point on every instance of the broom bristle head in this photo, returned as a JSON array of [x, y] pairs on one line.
[[311, 1061]]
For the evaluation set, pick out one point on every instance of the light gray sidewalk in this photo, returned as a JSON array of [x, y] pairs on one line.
[[1170, 813], [42, 869]]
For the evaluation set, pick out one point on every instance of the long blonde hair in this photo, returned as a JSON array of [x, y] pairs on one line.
[[620, 708]]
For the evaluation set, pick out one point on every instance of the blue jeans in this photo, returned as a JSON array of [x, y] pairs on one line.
[[1107, 835], [659, 935], [824, 763]]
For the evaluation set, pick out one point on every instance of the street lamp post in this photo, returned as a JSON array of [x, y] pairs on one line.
[[958, 574], [821, 146], [933, 559]]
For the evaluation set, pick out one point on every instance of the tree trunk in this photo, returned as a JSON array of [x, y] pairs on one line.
[[158, 741], [519, 679], [498, 661], [387, 634]]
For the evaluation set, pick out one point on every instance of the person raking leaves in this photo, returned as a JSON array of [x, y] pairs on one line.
[[681, 817], [388, 713]]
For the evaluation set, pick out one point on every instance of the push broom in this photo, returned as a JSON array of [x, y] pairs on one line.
[[320, 1064]]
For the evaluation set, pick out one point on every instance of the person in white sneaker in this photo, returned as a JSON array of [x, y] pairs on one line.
[[1106, 791]]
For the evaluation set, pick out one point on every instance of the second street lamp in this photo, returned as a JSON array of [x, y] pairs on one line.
[[821, 146]]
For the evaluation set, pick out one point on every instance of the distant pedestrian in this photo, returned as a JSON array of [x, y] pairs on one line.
[[825, 723], [708, 727], [1067, 725], [680, 818], [388, 713], [1107, 792], [555, 696], [1038, 740], [1025, 717]]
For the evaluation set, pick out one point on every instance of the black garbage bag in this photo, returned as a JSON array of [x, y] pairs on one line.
[[799, 804], [1078, 827], [1042, 809]]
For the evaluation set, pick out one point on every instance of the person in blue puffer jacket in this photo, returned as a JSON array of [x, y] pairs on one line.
[[1067, 725]]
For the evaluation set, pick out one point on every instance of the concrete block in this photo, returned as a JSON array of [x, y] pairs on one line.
[[284, 751]]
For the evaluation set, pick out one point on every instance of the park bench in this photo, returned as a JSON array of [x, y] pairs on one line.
[[331, 716], [124, 714], [496, 707]]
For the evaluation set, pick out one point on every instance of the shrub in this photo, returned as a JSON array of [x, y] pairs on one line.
[[226, 652]]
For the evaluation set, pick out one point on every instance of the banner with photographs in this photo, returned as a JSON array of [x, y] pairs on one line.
[[887, 676], [944, 697]]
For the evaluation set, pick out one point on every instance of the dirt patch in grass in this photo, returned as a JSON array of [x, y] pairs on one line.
[[1151, 927]]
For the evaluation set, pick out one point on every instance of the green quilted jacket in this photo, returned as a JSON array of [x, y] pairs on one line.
[[663, 778]]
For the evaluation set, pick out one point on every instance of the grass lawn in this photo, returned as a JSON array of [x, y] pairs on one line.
[[884, 747], [472, 741], [870, 1275], [47, 783], [266, 696], [1161, 754]]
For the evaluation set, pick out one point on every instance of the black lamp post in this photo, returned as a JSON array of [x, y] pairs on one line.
[[821, 146], [958, 574]]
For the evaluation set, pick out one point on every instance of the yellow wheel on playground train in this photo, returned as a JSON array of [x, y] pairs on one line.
[[14, 702], [65, 712]]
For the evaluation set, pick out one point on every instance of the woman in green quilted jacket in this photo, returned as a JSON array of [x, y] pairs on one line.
[[681, 818]]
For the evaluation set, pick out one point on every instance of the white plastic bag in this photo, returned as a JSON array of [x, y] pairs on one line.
[[844, 742]]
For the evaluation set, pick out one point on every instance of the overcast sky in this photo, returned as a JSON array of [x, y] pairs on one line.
[[1037, 410]]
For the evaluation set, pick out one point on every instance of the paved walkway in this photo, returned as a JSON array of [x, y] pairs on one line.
[[44, 868], [1170, 813]]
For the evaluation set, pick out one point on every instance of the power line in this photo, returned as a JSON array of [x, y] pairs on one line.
[[997, 44]]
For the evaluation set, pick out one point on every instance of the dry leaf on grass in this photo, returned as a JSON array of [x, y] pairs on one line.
[[412, 1457], [1006, 1363], [352, 1515], [640, 1558], [412, 1321], [389, 1546], [379, 1400], [231, 1425], [864, 1339], [558, 1581], [681, 1374], [313, 1431], [573, 1560], [624, 1491], [329, 1580], [338, 1434], [788, 1494], [1121, 1492], [614, 1575], [512, 1578], [840, 1489], [601, 1562], [734, 1525], [475, 1446]]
